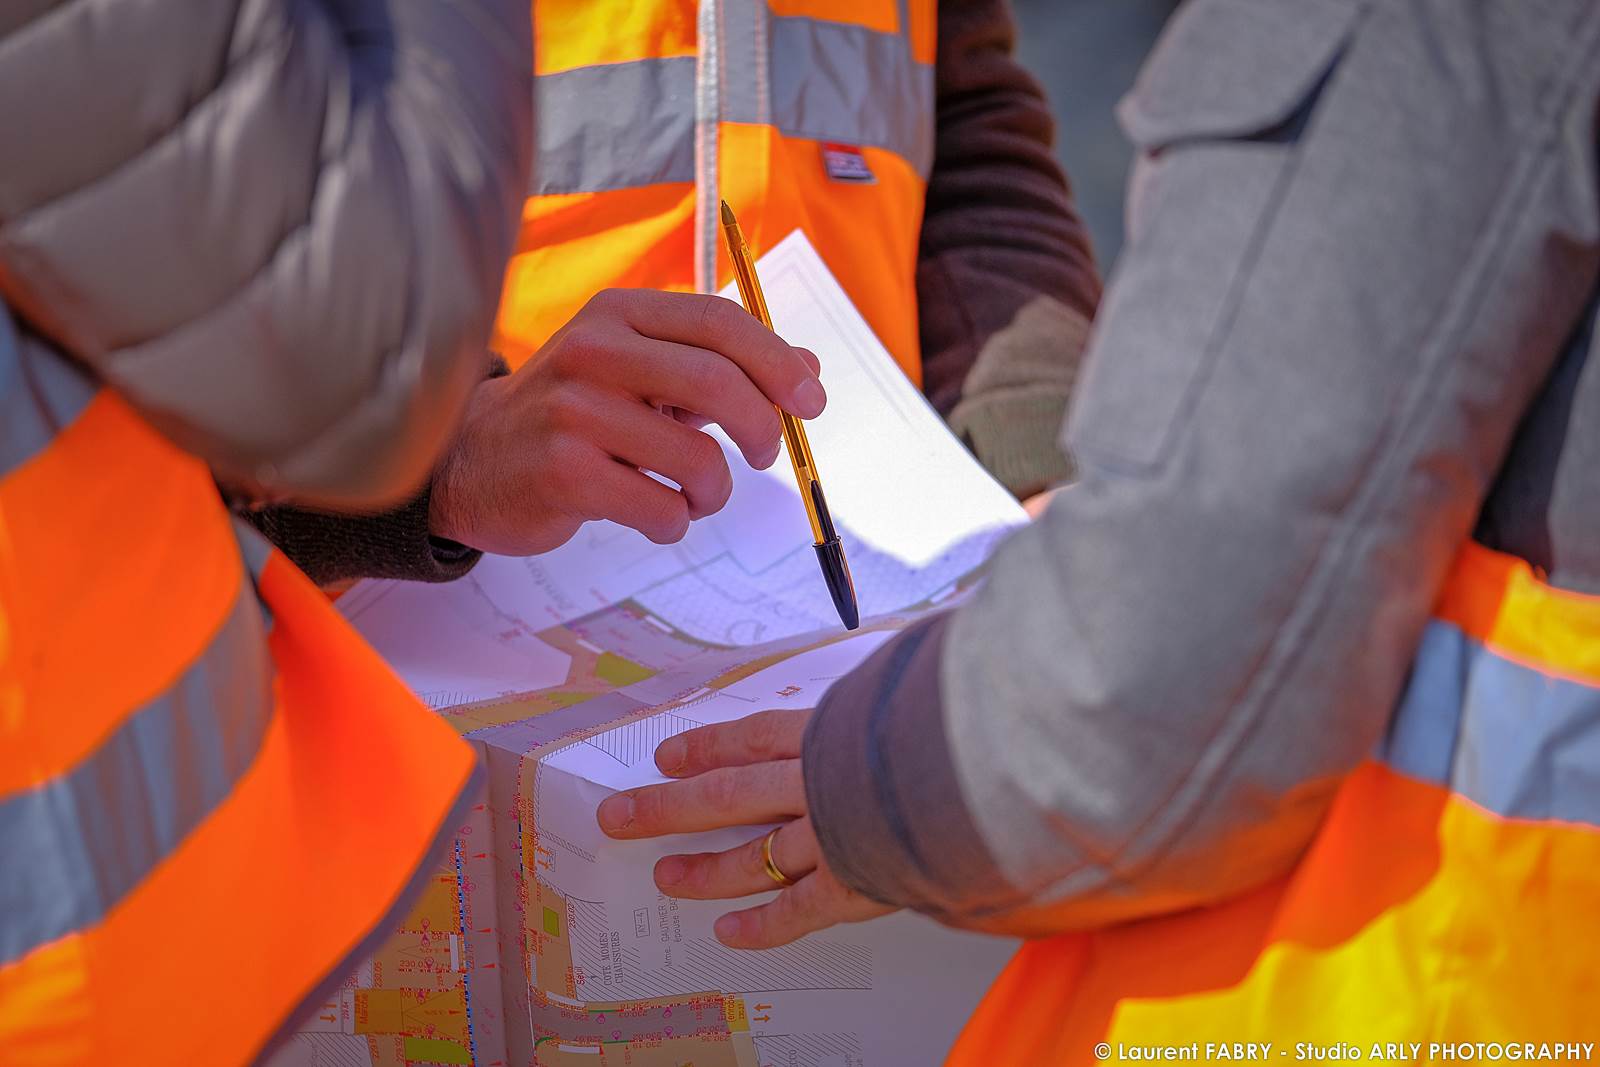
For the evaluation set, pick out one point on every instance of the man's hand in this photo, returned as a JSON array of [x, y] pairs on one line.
[[1037, 504], [622, 388], [740, 774]]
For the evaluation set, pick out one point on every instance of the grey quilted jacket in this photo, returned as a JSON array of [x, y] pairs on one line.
[[277, 228]]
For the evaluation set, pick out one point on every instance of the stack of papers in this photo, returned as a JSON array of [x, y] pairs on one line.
[[541, 941]]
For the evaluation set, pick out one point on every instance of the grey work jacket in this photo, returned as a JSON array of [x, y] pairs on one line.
[[1354, 307]]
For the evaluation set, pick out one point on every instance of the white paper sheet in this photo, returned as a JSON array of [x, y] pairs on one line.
[[568, 669]]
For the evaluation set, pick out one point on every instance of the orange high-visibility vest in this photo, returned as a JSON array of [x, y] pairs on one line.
[[211, 791], [815, 115], [1451, 898]]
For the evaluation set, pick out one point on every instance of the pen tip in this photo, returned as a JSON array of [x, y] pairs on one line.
[[727, 215], [836, 571]]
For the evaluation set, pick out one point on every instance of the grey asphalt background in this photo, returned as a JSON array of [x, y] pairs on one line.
[[1086, 53]]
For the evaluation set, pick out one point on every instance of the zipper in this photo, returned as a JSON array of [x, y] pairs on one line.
[[707, 120]]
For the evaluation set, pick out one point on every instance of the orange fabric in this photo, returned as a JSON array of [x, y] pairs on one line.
[[867, 234], [1064, 989], [1498, 600], [1416, 915], [572, 246], [583, 33], [114, 585], [880, 15], [275, 889], [925, 33]]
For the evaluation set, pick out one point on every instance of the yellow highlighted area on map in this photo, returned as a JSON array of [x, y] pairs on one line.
[[733, 1011], [426, 1050]]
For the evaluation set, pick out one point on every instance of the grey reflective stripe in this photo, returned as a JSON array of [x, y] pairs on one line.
[[614, 126], [78, 844], [746, 63], [1521, 743], [256, 550], [32, 411], [625, 125], [834, 82]]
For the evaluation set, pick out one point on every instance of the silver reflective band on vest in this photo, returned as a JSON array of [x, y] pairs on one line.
[[625, 125], [841, 83], [614, 126], [79, 843], [255, 548], [40, 392], [1512, 739]]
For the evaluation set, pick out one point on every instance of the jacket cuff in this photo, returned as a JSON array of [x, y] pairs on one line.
[[395, 544], [1013, 403], [1015, 434], [881, 786]]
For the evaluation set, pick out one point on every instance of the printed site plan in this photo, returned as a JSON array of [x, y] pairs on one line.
[[540, 941]]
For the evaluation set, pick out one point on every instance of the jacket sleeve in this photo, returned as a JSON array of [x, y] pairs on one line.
[[1359, 244], [332, 547], [277, 229], [1006, 281]]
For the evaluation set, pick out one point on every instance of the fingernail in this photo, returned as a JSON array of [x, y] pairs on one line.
[[670, 871], [726, 928], [809, 399], [670, 755], [616, 812], [763, 462]]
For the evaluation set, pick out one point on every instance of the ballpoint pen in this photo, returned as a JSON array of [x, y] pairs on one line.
[[830, 553]]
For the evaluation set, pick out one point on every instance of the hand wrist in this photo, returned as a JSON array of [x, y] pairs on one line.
[[441, 496]]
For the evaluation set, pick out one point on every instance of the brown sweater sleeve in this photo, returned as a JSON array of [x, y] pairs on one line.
[[331, 547], [1006, 279]]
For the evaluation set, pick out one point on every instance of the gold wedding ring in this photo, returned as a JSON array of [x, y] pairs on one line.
[[770, 865]]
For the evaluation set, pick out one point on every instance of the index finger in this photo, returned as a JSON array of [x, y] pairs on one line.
[[766, 735], [728, 796], [778, 369]]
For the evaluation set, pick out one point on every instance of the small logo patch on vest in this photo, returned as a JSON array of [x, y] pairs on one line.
[[845, 163]]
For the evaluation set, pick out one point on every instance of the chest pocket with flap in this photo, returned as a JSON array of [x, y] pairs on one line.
[[1217, 115]]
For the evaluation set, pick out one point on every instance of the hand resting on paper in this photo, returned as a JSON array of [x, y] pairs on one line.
[[742, 773], [622, 388]]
